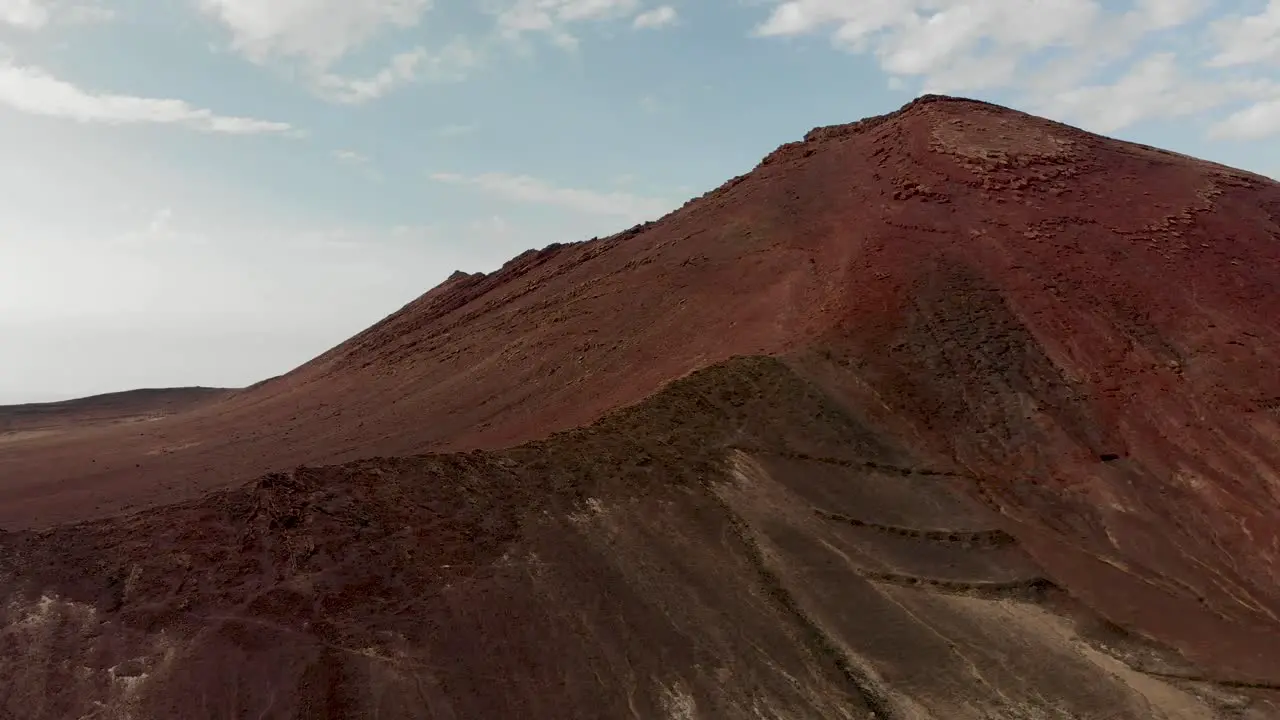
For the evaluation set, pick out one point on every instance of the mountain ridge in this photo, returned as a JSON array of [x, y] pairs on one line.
[[731, 248], [788, 394], [325, 584]]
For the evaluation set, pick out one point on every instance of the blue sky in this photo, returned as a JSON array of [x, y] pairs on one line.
[[213, 191]]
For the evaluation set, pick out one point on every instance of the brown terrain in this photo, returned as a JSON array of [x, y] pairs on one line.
[[951, 413], [122, 407]]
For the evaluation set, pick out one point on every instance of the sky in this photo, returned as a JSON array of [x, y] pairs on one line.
[[212, 192]]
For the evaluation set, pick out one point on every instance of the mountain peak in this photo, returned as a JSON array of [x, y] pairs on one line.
[[839, 235], [916, 395]]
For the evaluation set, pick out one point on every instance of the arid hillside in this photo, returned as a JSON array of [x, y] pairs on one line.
[[950, 413], [128, 406], [1121, 261], [737, 546]]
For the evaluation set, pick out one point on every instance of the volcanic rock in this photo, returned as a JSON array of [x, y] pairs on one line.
[[954, 412]]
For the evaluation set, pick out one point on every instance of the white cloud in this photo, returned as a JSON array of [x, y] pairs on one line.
[[957, 45], [554, 17], [1068, 58], [402, 69], [317, 34], [527, 189], [25, 14], [1168, 13], [1257, 121], [1248, 39], [450, 64], [32, 90], [360, 163], [932, 38], [351, 157], [34, 15], [320, 31], [656, 18], [1153, 87]]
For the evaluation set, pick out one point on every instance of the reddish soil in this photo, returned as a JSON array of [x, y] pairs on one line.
[[1016, 455], [129, 406]]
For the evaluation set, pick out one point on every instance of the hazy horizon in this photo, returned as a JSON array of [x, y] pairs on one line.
[[213, 193]]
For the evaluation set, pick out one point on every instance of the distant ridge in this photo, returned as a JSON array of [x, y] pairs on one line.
[[106, 407]]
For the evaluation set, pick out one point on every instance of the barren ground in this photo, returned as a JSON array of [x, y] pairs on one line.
[[953, 413]]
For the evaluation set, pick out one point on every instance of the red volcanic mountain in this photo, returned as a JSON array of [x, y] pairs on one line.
[[950, 413]]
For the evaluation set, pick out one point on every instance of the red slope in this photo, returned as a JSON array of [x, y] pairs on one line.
[[1119, 259], [1091, 328]]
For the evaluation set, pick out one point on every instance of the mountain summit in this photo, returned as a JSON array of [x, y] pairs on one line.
[[954, 412]]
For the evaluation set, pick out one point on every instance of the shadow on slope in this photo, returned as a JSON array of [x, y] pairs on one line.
[[735, 546]]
